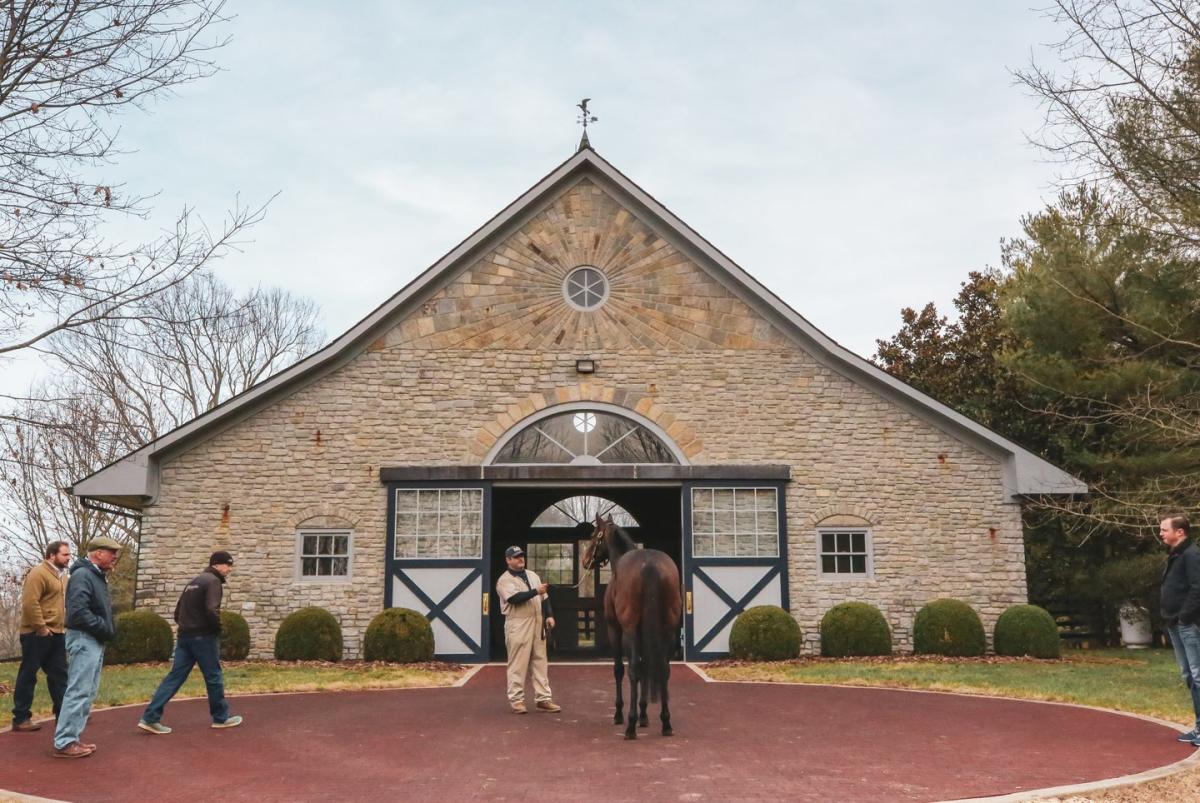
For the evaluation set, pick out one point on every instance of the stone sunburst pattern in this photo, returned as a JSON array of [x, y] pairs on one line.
[[512, 298]]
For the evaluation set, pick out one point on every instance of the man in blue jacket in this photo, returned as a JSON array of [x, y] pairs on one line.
[[89, 626], [1180, 602]]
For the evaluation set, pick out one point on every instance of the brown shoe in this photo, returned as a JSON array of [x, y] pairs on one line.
[[26, 726], [91, 748], [73, 750], [549, 705], [518, 708]]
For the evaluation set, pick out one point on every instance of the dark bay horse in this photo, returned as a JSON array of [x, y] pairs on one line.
[[642, 608]]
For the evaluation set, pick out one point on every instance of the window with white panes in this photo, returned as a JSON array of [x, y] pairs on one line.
[[323, 554], [735, 522], [439, 523], [844, 553]]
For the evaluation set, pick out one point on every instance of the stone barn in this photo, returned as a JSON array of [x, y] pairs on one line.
[[584, 351]]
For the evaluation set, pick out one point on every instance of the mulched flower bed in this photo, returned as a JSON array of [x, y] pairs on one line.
[[908, 658]]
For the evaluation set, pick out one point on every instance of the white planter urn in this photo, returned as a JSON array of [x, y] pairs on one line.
[[1136, 633]]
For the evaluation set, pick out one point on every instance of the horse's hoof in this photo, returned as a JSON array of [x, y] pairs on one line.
[[630, 735], [643, 723], [618, 719], [668, 732]]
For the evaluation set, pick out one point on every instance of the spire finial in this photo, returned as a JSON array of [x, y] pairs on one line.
[[585, 117]]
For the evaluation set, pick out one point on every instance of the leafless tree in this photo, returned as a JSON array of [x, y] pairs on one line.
[[67, 71], [10, 611]]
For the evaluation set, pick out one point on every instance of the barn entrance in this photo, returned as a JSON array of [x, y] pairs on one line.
[[552, 524]]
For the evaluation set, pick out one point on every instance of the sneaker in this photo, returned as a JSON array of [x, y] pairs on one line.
[[232, 722], [154, 727], [73, 750], [518, 708], [26, 726], [1191, 735], [549, 705]]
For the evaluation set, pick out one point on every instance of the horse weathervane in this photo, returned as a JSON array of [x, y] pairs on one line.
[[585, 117]]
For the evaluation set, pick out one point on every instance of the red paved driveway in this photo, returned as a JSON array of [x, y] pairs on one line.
[[733, 741]]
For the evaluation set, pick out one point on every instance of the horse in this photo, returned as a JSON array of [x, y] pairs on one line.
[[642, 609]]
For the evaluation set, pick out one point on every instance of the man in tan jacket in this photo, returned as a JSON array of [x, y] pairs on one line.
[[43, 645], [525, 603]]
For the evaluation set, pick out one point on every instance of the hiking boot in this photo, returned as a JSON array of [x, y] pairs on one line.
[[1190, 736], [26, 726], [154, 727], [549, 705], [232, 722], [518, 708], [73, 750]]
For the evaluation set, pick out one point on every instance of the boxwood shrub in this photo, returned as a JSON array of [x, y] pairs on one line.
[[1027, 630], [948, 627], [235, 637], [309, 634], [764, 633], [398, 636], [142, 636], [855, 628]]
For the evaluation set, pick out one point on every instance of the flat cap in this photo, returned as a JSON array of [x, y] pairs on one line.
[[104, 542]]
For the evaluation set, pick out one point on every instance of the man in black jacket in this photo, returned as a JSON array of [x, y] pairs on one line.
[[198, 614], [1180, 602]]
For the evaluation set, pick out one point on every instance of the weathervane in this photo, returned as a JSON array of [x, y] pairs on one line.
[[585, 117]]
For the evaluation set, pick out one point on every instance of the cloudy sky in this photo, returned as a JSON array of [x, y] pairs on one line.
[[855, 157]]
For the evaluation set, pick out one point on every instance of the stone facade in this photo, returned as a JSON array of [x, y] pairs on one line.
[[496, 343]]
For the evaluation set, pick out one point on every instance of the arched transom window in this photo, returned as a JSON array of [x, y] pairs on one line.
[[585, 437]]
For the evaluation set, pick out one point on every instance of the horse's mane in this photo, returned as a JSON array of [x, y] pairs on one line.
[[622, 539]]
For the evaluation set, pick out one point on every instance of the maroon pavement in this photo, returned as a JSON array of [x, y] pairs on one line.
[[733, 741]]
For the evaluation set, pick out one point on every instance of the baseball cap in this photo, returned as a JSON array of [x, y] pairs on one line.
[[514, 552], [220, 556]]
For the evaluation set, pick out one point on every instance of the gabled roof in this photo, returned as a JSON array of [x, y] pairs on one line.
[[133, 480]]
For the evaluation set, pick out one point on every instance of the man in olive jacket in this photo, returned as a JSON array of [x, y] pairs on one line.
[[198, 614], [1180, 603], [89, 626]]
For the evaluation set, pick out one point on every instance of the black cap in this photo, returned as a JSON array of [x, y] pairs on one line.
[[220, 557], [514, 552]]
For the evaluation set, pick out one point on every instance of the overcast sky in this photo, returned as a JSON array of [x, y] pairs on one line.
[[855, 157]]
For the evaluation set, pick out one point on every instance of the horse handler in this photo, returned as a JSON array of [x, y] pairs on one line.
[[525, 603]]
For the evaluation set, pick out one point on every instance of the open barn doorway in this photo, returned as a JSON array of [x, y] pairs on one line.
[[553, 524]]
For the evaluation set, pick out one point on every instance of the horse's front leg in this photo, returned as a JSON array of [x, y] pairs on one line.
[[635, 675], [614, 638], [665, 714]]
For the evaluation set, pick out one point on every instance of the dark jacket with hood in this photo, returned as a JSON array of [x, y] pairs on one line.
[[1180, 594], [89, 608], [198, 611]]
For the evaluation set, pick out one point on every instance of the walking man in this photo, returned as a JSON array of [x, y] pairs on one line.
[[89, 626], [1180, 603], [198, 614], [525, 603], [43, 643]]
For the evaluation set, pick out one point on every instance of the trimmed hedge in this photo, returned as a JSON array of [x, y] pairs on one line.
[[1027, 630], [235, 637], [309, 634], [855, 628], [948, 627], [764, 633], [141, 636], [398, 636]]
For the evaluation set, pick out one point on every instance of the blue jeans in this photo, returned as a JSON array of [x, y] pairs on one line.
[[189, 651], [85, 658], [1186, 641]]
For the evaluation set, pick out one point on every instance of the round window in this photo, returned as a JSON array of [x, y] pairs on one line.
[[585, 288]]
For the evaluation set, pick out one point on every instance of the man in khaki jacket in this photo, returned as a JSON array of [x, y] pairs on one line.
[[43, 645], [525, 603]]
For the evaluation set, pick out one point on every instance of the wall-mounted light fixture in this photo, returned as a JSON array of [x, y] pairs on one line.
[[587, 366]]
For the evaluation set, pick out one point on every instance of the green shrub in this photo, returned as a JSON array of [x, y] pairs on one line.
[[855, 628], [764, 633], [309, 634], [141, 636], [948, 627], [1026, 630], [235, 637], [398, 636]]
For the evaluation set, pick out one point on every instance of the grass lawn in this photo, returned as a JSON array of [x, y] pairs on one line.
[[1141, 681], [134, 683]]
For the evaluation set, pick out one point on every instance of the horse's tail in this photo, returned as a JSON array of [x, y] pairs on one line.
[[653, 633]]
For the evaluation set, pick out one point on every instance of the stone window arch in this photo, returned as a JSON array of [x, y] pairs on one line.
[[585, 434]]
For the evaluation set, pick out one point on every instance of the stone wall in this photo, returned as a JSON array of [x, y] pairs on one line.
[[497, 343]]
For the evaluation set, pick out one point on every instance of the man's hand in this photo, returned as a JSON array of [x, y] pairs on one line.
[[549, 622], [43, 631], [544, 588]]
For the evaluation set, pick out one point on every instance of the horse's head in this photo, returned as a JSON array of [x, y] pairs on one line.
[[596, 553]]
